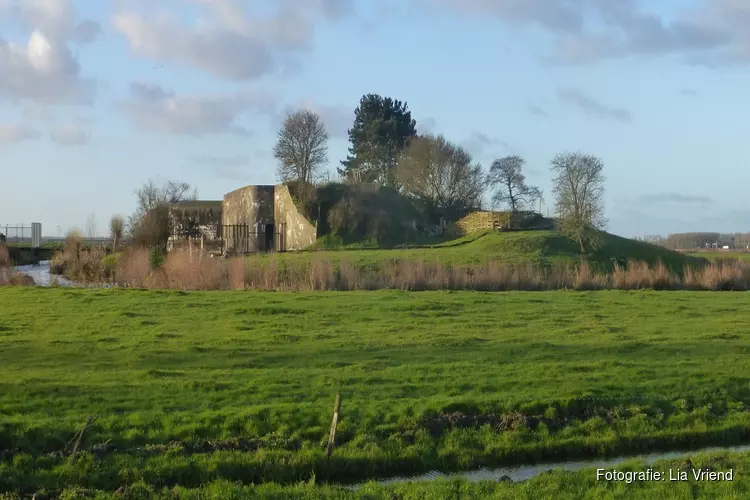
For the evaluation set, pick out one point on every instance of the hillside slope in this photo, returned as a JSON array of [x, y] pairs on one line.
[[534, 247]]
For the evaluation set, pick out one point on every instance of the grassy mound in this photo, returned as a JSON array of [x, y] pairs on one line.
[[520, 247]]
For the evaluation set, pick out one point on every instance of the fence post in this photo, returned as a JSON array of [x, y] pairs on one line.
[[334, 424]]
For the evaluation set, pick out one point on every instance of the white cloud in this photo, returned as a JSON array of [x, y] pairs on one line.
[[57, 19], [537, 110], [228, 41], [591, 106], [44, 70], [705, 31], [159, 110], [13, 134], [479, 142], [69, 134]]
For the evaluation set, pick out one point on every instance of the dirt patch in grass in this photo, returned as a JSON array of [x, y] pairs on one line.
[[506, 422]]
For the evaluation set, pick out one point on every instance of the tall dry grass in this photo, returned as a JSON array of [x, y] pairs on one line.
[[185, 270], [9, 277], [78, 263], [5, 261]]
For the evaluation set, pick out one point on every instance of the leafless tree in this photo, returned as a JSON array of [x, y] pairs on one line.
[[578, 186], [302, 147], [441, 176], [506, 174], [116, 230], [149, 224], [91, 226]]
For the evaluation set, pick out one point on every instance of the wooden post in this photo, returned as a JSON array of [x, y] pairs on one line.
[[89, 422], [334, 423]]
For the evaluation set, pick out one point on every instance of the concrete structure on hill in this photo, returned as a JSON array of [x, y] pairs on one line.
[[250, 219], [482, 220]]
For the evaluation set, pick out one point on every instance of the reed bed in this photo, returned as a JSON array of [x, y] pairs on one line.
[[185, 270]]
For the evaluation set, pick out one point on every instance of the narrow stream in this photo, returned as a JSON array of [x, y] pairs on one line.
[[42, 275], [523, 472]]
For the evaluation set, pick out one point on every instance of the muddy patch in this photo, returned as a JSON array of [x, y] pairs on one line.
[[509, 421]]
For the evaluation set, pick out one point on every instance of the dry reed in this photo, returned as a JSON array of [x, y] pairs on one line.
[[9, 277], [195, 271]]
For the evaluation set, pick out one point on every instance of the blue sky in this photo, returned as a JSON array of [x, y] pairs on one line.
[[98, 97]]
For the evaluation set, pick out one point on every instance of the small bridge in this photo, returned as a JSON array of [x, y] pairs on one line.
[[26, 256], [24, 243]]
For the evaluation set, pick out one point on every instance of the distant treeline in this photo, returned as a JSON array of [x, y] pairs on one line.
[[686, 241]]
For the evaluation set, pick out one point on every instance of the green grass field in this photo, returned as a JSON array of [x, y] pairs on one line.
[[535, 247], [191, 388], [557, 484], [721, 254]]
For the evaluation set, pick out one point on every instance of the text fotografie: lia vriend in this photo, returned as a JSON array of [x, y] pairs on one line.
[[670, 475]]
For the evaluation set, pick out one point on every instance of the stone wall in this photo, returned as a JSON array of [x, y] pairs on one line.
[[252, 206], [195, 223], [249, 205], [478, 221], [243, 220], [297, 233]]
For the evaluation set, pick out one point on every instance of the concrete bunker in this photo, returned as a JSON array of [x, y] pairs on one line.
[[257, 218]]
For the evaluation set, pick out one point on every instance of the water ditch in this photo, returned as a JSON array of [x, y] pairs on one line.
[[518, 473], [42, 275]]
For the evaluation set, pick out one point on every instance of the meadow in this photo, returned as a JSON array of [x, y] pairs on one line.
[[556, 484], [539, 248], [715, 255], [194, 388]]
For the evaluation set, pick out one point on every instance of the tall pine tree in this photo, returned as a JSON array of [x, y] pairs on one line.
[[382, 127]]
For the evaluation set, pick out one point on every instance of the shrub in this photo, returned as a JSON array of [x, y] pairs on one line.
[[80, 263], [4, 257], [154, 229], [7, 275]]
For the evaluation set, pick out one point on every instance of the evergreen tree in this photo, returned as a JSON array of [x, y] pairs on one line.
[[381, 129]]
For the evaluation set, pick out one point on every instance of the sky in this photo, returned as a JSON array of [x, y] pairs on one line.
[[97, 97]]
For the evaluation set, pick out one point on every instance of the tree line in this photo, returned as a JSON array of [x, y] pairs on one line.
[[690, 241], [440, 177]]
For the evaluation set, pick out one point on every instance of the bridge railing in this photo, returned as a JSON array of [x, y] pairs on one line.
[[21, 234]]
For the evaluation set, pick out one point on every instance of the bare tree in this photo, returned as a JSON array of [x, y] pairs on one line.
[[302, 147], [116, 230], [579, 190], [441, 176], [91, 226], [507, 175], [149, 224]]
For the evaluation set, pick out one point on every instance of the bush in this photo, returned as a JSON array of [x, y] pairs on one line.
[[80, 263], [304, 196], [362, 212], [7, 275], [156, 258], [4, 257], [154, 230]]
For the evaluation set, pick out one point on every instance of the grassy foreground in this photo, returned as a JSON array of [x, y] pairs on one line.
[[557, 484], [196, 387]]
